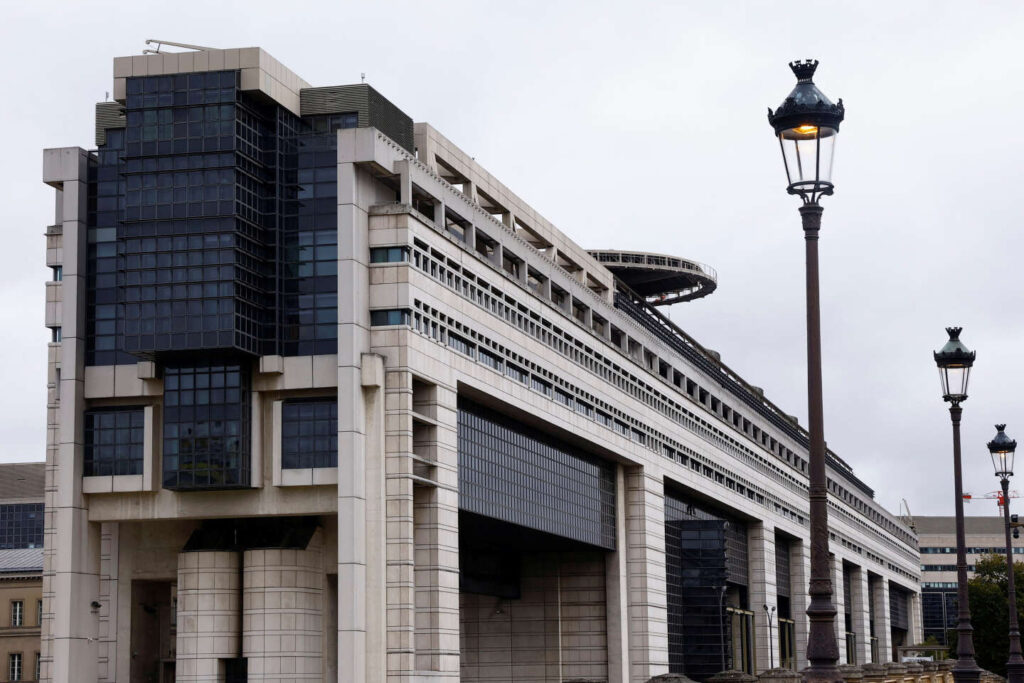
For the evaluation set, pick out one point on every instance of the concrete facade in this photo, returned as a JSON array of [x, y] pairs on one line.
[[495, 305], [937, 536]]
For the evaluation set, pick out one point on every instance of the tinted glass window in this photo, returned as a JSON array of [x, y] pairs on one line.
[[21, 525], [114, 441], [309, 433], [206, 427]]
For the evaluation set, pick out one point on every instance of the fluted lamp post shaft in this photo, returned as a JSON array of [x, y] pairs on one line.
[[807, 125], [1002, 448], [955, 361]]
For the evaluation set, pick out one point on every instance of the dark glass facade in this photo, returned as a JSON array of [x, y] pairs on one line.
[[212, 234], [21, 525], [309, 433], [213, 225], [206, 426], [114, 440], [512, 472], [309, 277], [938, 612], [705, 552]]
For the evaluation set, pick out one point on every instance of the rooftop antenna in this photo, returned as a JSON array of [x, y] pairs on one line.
[[362, 77], [106, 96], [160, 43]]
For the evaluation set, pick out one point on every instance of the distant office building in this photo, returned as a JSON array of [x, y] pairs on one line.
[[21, 570], [21, 505], [331, 402], [937, 535]]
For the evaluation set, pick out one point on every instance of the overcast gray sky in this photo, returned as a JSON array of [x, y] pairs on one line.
[[642, 125]]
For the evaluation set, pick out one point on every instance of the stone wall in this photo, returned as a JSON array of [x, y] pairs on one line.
[[555, 631]]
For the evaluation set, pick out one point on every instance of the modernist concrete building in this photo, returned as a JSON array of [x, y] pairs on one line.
[[331, 402], [937, 536]]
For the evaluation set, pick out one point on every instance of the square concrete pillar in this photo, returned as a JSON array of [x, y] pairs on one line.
[[859, 596], [883, 630], [617, 590], [645, 567], [838, 599], [763, 591], [916, 630], [800, 573]]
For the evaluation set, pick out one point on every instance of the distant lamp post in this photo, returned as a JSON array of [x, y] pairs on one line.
[[955, 362], [768, 614], [1002, 448], [807, 124]]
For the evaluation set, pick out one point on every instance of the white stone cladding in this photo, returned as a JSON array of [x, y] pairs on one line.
[[282, 613], [377, 598], [209, 614]]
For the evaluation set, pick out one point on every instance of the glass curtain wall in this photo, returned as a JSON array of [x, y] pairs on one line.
[[710, 624]]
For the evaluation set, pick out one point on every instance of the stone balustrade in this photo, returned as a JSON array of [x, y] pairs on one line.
[[890, 672]]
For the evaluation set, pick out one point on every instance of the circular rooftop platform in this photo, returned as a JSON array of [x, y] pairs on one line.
[[660, 279]]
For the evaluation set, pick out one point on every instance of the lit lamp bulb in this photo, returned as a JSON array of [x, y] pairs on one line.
[[806, 129]]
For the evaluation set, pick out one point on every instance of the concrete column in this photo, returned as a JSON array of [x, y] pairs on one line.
[[762, 578], [800, 573], [209, 601], [436, 538], [645, 567], [108, 600], [446, 516], [883, 631], [617, 590], [859, 595], [376, 519], [282, 612], [354, 195], [839, 600], [399, 529], [404, 182], [915, 634], [71, 564]]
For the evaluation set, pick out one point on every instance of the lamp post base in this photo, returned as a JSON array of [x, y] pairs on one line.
[[823, 674], [1015, 671], [969, 674]]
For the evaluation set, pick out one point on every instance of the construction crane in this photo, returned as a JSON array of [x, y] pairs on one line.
[[997, 495], [908, 518]]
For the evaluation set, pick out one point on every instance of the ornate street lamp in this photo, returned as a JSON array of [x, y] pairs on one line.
[[807, 124], [1001, 448], [955, 361]]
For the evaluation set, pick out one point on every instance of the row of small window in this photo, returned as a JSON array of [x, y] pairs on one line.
[[179, 146], [147, 85], [939, 550], [16, 670], [943, 567], [173, 195], [638, 388], [493, 299], [439, 332], [115, 437]]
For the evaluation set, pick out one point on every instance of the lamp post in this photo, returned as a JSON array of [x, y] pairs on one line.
[[955, 361], [768, 614], [1001, 449], [806, 124]]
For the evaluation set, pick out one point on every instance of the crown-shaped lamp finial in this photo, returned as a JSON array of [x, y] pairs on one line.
[[954, 333], [804, 70]]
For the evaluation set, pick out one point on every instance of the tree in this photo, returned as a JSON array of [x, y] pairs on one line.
[[989, 617]]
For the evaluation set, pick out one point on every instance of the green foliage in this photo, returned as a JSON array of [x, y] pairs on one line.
[[989, 614]]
